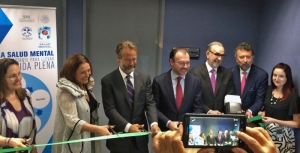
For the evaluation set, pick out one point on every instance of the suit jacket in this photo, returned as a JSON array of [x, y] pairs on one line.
[[165, 100], [227, 137], [120, 112], [224, 86], [254, 90], [221, 140], [211, 141]]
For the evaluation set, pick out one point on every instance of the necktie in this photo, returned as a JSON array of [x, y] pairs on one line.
[[179, 94], [130, 89], [213, 80], [243, 83]]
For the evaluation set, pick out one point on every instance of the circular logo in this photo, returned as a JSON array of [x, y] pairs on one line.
[[41, 99], [26, 32], [44, 19]]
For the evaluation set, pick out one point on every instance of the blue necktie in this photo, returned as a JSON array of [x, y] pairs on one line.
[[130, 90]]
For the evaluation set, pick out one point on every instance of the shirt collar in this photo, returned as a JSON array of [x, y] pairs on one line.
[[124, 74], [209, 68], [174, 76]]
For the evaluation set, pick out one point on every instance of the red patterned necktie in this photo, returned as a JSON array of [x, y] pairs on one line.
[[179, 93], [243, 83]]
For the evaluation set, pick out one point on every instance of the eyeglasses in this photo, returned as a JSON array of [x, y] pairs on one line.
[[15, 76], [184, 63], [218, 54]]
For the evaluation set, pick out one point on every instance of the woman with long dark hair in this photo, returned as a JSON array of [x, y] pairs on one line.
[[281, 108]]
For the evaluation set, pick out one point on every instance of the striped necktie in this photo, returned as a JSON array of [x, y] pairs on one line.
[[130, 89]]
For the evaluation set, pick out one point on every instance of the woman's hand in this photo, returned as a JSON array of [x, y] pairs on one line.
[[17, 142], [257, 139], [103, 130], [268, 120]]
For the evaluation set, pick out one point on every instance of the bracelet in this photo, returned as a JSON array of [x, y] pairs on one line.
[[8, 142]]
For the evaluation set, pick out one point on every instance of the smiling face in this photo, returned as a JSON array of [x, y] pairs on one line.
[[83, 74], [127, 61], [215, 55], [279, 77], [181, 63], [13, 77]]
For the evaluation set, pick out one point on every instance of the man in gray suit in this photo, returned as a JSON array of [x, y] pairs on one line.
[[216, 81], [126, 96]]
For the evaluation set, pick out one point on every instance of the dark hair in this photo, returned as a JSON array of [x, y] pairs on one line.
[[125, 44], [71, 65], [201, 134], [5, 63], [175, 50], [244, 46], [288, 87]]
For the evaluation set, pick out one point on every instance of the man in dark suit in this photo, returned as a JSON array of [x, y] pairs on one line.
[[220, 139], [249, 77], [126, 96], [172, 105], [216, 80], [226, 136], [211, 141]]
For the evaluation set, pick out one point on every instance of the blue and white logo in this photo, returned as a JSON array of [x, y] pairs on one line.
[[41, 99], [44, 33], [27, 33], [5, 25]]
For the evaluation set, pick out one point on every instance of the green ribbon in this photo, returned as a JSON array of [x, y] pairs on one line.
[[256, 118], [119, 135]]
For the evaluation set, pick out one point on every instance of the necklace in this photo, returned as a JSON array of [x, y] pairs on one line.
[[274, 100]]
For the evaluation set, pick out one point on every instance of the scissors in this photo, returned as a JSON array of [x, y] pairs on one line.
[[111, 130]]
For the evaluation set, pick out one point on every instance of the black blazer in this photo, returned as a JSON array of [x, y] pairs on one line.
[[224, 86], [211, 141], [120, 112], [165, 100]]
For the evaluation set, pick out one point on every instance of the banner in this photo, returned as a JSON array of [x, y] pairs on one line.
[[28, 35]]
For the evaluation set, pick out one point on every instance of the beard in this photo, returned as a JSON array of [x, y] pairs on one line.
[[127, 69], [245, 67]]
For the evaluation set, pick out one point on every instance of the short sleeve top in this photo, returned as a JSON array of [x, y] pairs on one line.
[[282, 110]]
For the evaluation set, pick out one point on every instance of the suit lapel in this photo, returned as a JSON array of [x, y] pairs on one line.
[[121, 84], [137, 86], [169, 89], [205, 75], [219, 79], [237, 78], [186, 95]]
